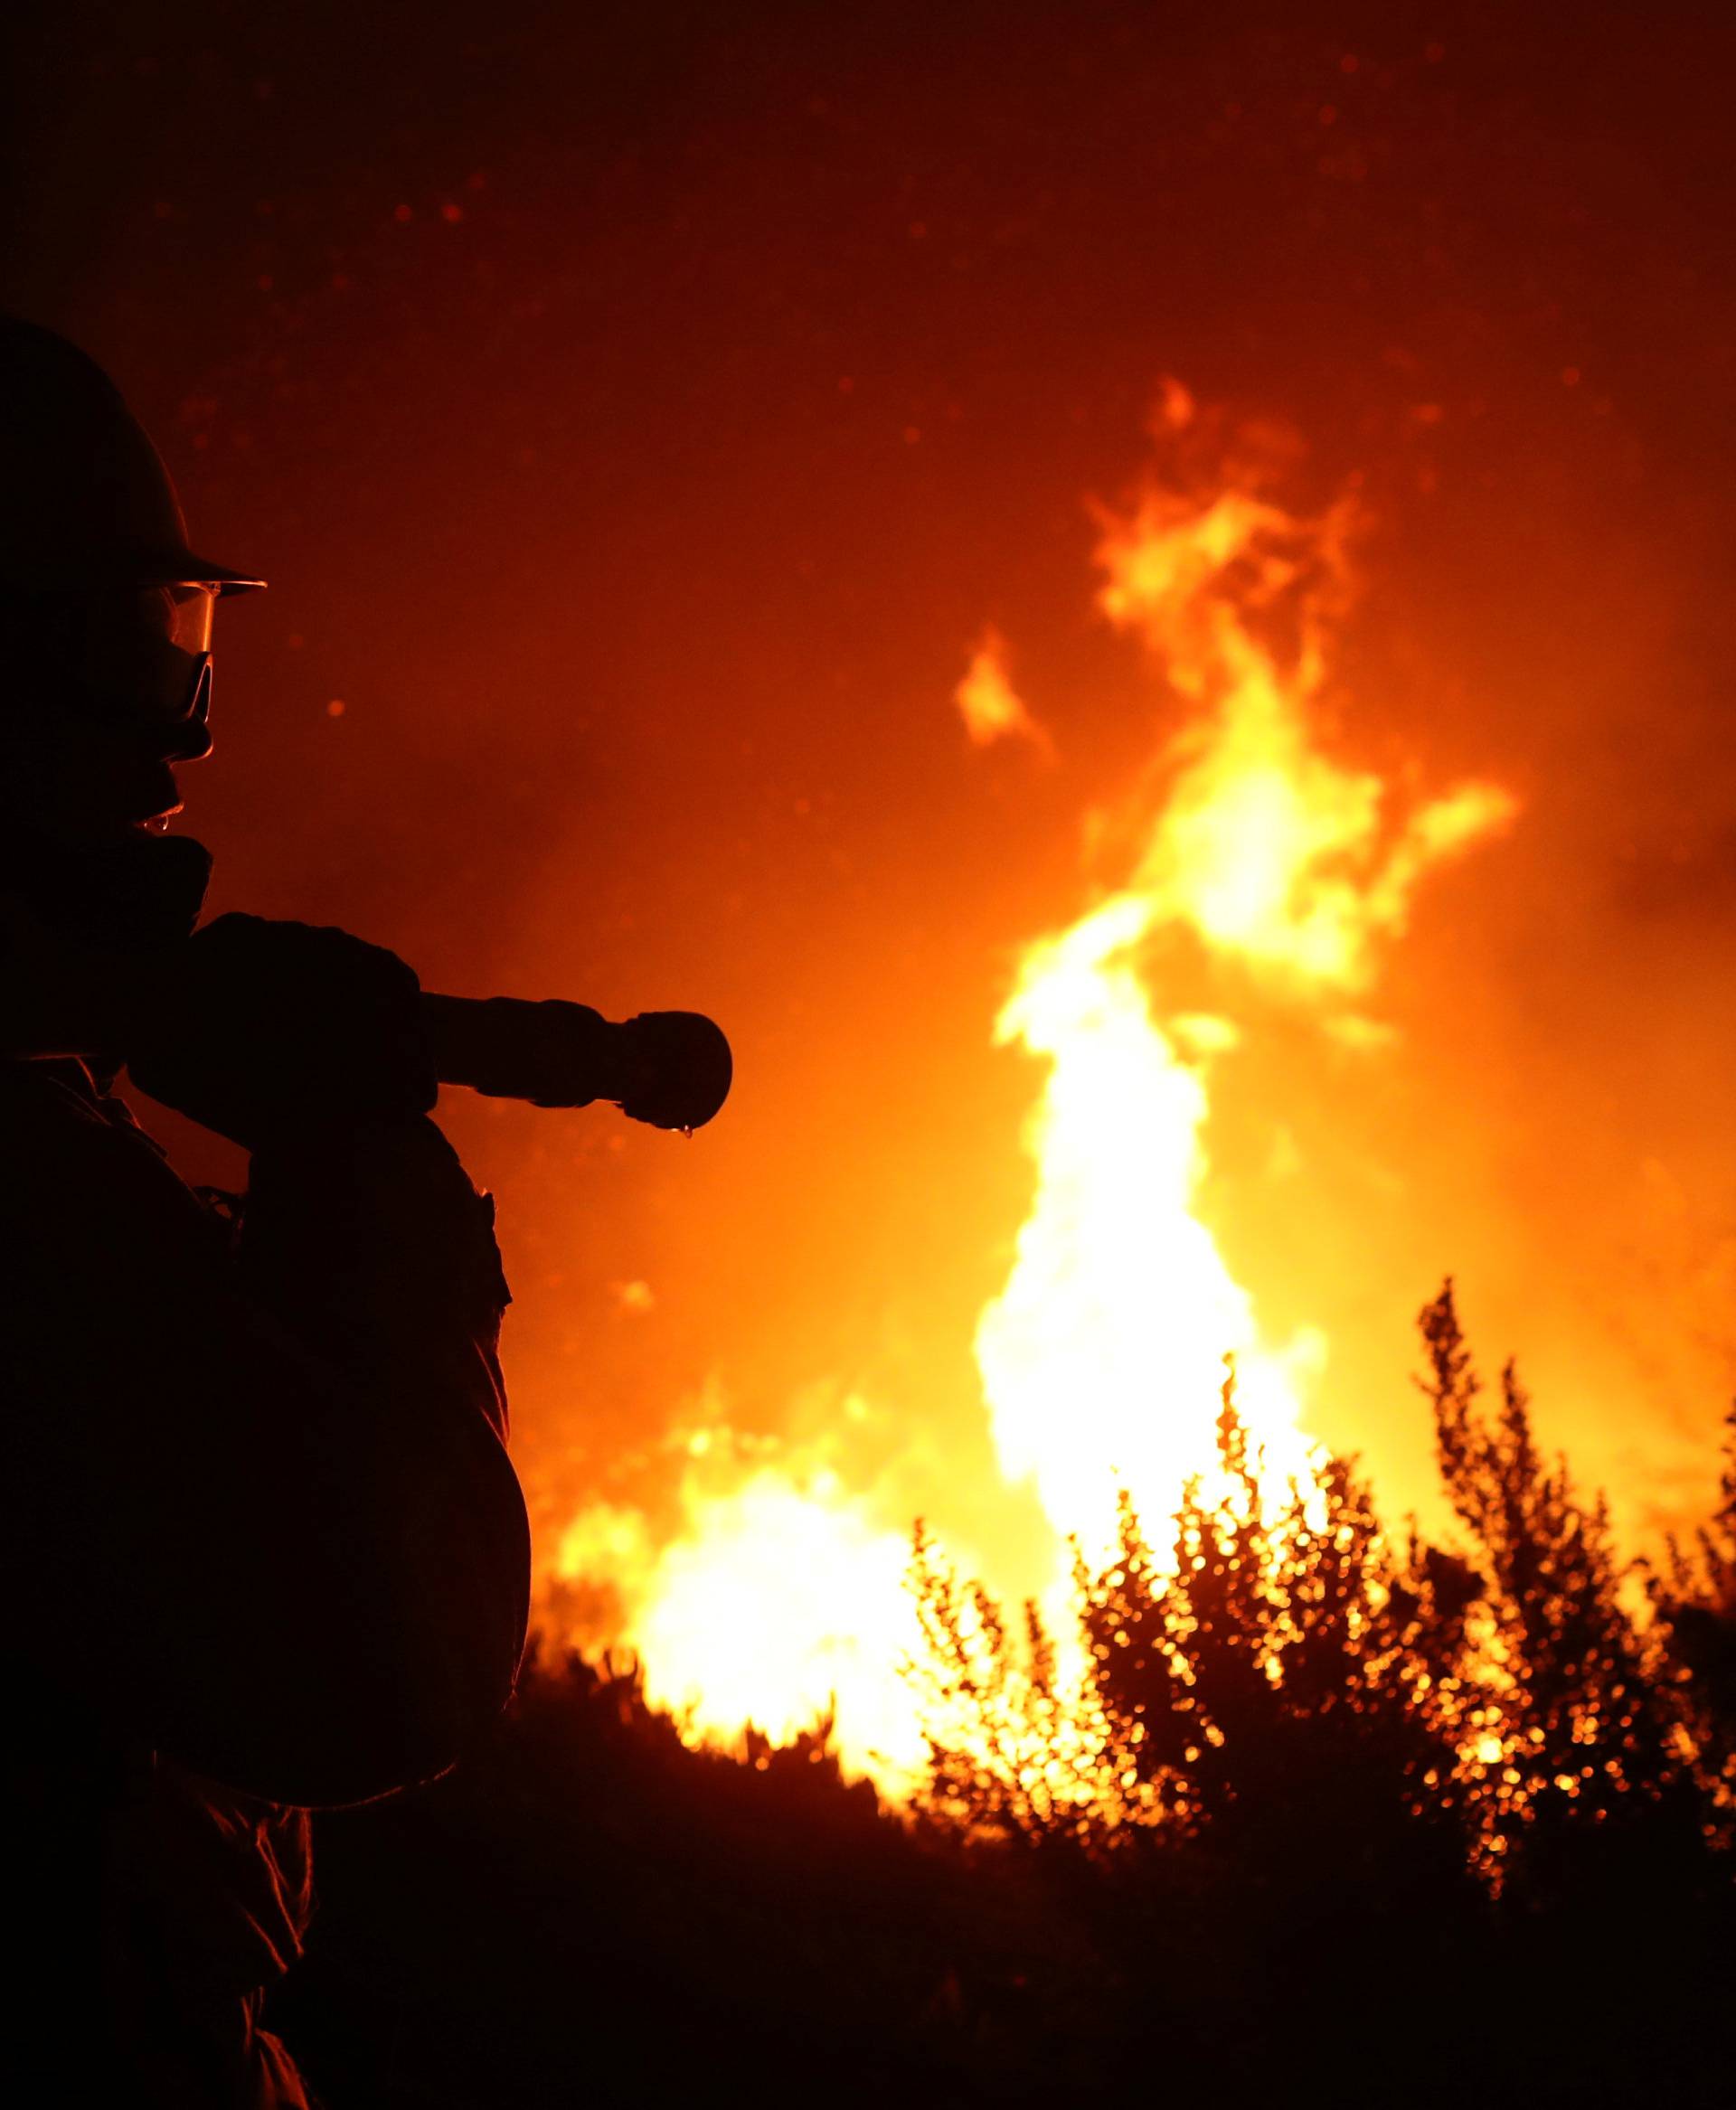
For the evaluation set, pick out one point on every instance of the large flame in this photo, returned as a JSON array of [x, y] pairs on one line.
[[1281, 867], [1102, 1358]]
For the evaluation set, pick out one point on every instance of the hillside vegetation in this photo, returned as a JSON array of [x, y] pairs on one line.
[[1330, 1812]]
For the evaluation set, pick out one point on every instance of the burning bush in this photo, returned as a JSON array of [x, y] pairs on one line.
[[1292, 1678]]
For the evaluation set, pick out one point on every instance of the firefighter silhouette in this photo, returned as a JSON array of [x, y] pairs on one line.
[[265, 1550]]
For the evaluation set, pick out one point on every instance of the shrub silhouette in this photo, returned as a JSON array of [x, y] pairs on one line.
[[1287, 1644], [1595, 1742], [1695, 1601]]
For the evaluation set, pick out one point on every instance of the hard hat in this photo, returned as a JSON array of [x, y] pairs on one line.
[[84, 498]]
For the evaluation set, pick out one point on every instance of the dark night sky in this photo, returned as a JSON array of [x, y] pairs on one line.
[[639, 411]]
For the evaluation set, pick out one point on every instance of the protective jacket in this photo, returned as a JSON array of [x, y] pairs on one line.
[[264, 1551]]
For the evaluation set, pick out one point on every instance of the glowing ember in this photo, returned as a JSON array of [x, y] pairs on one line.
[[1102, 1358], [991, 707]]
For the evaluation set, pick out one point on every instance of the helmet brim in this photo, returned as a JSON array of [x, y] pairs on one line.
[[184, 568], [226, 583]]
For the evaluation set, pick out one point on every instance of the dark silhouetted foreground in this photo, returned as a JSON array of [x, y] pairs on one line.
[[262, 1545], [1365, 1820]]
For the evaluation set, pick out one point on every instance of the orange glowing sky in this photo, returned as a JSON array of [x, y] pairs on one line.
[[646, 431]]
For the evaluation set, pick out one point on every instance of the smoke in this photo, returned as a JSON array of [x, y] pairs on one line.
[[636, 420]]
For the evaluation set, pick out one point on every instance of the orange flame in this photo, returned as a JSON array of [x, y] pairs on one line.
[[777, 1598], [1102, 1356]]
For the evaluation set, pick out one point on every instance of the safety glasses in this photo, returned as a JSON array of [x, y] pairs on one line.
[[148, 651], [184, 612]]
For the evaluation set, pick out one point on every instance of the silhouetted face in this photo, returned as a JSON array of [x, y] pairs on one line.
[[104, 692]]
